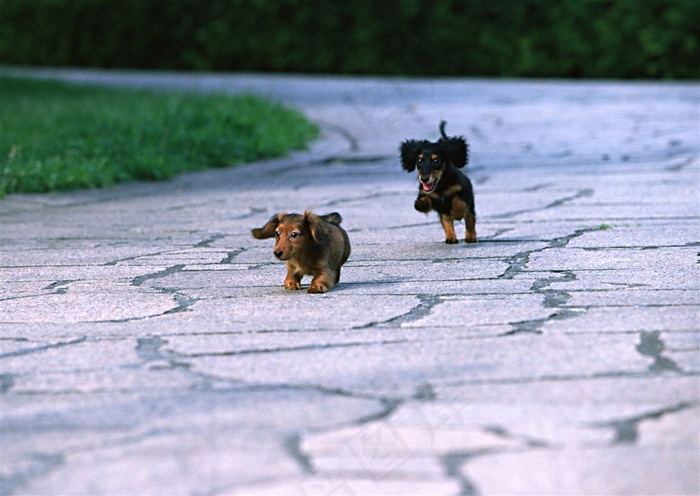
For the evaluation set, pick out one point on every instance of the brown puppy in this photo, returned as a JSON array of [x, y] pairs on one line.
[[311, 245]]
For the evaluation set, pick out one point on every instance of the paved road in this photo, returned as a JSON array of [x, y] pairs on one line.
[[148, 346]]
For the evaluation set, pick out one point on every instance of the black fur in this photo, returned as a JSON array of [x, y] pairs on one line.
[[442, 187]]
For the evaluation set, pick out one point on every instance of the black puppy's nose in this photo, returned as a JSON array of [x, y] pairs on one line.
[[278, 253]]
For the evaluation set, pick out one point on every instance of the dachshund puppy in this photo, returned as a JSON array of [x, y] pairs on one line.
[[311, 245], [442, 188]]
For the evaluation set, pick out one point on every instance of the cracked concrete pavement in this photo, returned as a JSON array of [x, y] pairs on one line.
[[148, 346]]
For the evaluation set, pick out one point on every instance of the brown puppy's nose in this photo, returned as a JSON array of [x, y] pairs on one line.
[[278, 253]]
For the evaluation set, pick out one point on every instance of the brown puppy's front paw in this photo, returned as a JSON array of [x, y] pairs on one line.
[[451, 241], [422, 204], [317, 288], [292, 284]]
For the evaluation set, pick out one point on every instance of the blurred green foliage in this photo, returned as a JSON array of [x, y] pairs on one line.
[[512, 38]]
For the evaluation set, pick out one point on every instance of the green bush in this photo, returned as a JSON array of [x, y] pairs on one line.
[[538, 38]]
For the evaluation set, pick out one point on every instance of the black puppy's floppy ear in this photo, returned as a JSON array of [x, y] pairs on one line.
[[318, 230], [268, 230], [409, 153], [456, 150]]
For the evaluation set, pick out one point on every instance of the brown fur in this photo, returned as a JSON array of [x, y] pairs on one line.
[[311, 245]]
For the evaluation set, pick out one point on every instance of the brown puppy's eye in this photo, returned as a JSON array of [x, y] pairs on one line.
[[294, 234], [277, 234]]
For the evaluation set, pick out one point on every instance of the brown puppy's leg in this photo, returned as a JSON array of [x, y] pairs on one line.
[[293, 279], [322, 282], [448, 226], [470, 221]]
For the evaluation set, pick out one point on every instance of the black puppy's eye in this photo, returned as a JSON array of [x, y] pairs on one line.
[[435, 160]]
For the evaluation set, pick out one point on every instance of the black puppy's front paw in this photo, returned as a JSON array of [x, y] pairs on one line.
[[422, 204]]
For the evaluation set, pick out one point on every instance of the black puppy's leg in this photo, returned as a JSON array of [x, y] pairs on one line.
[[448, 226], [423, 204], [470, 221], [460, 210]]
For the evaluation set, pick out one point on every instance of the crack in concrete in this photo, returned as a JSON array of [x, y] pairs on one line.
[[27, 351], [534, 326], [59, 286], [148, 349], [6, 382], [583, 193], [498, 232], [208, 241], [425, 393], [652, 346], [149, 352], [516, 264], [135, 257], [292, 445], [423, 309], [339, 159], [138, 280], [627, 430], [39, 464], [308, 347], [502, 432], [452, 463], [679, 166], [389, 406], [183, 301], [231, 255], [552, 298], [556, 378], [340, 201]]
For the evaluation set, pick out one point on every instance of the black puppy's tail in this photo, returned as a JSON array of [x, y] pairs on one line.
[[442, 129]]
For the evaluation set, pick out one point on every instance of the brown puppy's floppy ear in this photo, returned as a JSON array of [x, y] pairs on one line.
[[268, 230], [409, 153], [318, 230], [457, 151]]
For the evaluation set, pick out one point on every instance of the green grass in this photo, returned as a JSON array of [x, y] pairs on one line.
[[56, 136]]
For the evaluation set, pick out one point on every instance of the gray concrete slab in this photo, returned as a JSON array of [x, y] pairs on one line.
[[147, 345]]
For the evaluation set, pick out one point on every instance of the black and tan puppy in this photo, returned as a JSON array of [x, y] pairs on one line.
[[443, 187], [311, 244]]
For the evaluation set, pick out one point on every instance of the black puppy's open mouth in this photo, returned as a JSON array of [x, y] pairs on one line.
[[429, 186]]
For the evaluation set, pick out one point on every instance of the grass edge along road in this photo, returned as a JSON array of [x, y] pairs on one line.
[[58, 136]]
